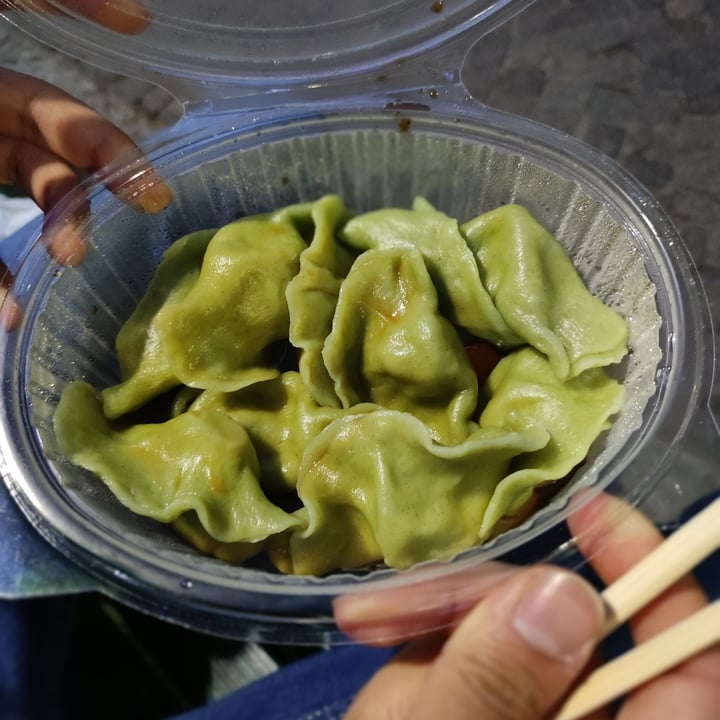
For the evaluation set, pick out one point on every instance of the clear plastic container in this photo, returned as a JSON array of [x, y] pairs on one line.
[[215, 52], [378, 131]]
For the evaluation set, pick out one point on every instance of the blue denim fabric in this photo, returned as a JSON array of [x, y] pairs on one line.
[[34, 639], [320, 687]]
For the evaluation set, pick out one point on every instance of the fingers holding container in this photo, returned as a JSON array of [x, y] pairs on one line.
[[128, 17], [49, 142]]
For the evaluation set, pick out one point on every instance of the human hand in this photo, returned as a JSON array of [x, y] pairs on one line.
[[529, 637], [128, 17], [48, 141]]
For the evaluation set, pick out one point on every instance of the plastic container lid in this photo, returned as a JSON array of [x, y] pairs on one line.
[[240, 47]]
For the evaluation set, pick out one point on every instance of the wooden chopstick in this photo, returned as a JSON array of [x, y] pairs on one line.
[[644, 662], [674, 558]]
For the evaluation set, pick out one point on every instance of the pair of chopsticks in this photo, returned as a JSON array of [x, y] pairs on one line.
[[677, 556]]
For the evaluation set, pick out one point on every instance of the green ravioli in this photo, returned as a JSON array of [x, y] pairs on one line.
[[377, 487], [463, 297], [199, 461], [539, 294], [390, 345], [526, 394], [211, 314], [312, 295]]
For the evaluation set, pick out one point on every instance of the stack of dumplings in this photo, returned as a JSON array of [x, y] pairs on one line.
[[305, 384]]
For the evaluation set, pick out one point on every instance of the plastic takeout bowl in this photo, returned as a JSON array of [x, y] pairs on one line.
[[464, 160], [337, 78]]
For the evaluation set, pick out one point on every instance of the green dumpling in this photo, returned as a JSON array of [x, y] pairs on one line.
[[236, 310], [452, 267], [526, 394], [376, 486], [280, 418], [211, 314], [540, 295], [143, 370], [312, 295], [390, 345], [198, 461]]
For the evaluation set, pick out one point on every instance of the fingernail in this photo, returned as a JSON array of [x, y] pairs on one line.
[[376, 617], [145, 191], [124, 16], [154, 197], [10, 312], [561, 616], [66, 243]]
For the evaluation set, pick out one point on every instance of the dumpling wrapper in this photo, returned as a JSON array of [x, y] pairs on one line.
[[143, 371], [189, 527], [198, 461], [281, 418], [182, 331], [526, 395], [237, 308], [390, 345], [540, 295], [312, 295], [376, 486], [450, 262]]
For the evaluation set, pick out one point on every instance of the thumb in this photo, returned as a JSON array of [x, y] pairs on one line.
[[517, 653]]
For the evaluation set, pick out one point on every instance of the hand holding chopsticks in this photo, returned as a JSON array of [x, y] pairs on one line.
[[677, 556], [494, 661]]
